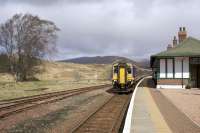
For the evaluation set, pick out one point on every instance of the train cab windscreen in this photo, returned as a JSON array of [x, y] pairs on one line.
[[129, 70], [115, 69]]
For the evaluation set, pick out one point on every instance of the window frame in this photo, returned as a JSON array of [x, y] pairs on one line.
[[166, 68]]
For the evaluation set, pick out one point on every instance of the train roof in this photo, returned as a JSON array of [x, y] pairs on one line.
[[117, 63]]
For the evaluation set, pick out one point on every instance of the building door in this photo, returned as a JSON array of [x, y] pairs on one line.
[[195, 76], [198, 76], [195, 71]]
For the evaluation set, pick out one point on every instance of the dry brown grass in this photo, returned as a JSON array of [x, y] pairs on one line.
[[55, 76], [73, 72]]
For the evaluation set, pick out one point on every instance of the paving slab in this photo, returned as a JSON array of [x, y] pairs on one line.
[[175, 118], [146, 117]]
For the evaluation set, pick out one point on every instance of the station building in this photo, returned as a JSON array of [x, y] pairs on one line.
[[179, 65]]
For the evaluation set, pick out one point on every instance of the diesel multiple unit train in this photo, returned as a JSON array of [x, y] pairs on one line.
[[123, 77]]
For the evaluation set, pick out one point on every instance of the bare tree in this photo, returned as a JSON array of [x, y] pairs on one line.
[[26, 39], [7, 42]]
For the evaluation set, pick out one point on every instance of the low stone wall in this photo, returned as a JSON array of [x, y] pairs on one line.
[[172, 81]]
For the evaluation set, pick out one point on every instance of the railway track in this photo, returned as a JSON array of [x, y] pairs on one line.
[[13, 106], [107, 118]]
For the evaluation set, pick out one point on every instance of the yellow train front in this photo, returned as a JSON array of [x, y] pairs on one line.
[[123, 77]]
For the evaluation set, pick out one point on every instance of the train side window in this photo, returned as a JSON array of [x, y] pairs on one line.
[[134, 71], [115, 69], [129, 70]]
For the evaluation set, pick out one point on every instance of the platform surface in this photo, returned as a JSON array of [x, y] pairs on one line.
[[146, 117]]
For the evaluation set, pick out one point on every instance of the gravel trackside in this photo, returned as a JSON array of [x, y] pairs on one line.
[[58, 117]]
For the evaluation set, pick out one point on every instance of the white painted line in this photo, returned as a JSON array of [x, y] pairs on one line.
[[170, 87], [127, 126]]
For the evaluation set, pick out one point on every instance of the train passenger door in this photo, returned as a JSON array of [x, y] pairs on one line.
[[122, 74]]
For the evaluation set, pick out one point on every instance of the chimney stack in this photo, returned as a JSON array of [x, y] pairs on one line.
[[182, 34], [175, 41], [169, 47]]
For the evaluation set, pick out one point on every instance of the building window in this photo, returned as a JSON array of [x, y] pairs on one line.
[[162, 68], [166, 68], [178, 68], [181, 67], [186, 68], [174, 68], [170, 68]]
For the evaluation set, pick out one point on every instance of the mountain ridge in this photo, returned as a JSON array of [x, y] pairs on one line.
[[106, 60]]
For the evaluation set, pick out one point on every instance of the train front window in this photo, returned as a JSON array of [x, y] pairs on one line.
[[115, 69], [129, 70]]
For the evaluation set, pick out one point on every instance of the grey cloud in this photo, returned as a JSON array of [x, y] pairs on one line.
[[48, 2], [34, 2], [131, 28]]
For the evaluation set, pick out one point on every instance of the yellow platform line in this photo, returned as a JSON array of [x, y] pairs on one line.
[[155, 115]]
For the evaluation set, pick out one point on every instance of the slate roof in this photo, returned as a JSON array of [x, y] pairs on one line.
[[189, 47]]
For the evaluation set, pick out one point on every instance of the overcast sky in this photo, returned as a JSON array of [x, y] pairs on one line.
[[130, 28]]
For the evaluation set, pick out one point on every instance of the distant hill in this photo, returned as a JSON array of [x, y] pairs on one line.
[[106, 60], [98, 60], [145, 63]]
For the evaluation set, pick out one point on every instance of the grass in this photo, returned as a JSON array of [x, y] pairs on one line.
[[9, 90], [56, 76]]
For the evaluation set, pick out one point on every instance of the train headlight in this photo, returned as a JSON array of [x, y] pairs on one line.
[[114, 81]]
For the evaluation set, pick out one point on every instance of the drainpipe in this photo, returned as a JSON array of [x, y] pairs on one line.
[[182, 72]]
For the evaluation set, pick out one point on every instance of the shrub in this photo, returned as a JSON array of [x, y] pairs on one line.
[[188, 86]]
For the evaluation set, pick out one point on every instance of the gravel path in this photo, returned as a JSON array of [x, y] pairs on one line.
[[177, 121], [188, 101]]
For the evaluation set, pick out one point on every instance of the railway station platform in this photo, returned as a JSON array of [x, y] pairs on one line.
[[146, 116], [151, 112], [143, 115]]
